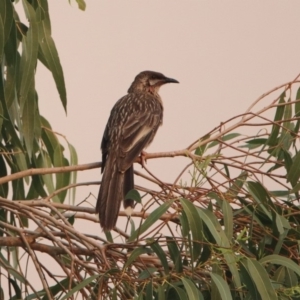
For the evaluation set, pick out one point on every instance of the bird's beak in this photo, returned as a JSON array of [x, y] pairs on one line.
[[170, 80]]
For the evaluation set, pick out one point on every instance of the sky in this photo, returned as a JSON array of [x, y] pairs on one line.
[[224, 54]]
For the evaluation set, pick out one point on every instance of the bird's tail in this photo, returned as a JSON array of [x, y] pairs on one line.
[[128, 185], [110, 195]]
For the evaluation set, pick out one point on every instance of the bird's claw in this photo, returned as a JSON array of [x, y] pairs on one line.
[[143, 157]]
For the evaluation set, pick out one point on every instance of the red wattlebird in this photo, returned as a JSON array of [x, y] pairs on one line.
[[131, 127]]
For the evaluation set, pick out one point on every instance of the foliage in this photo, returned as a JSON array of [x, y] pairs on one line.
[[227, 227], [26, 138]]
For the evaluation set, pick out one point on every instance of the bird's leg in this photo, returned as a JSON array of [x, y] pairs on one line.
[[143, 158]]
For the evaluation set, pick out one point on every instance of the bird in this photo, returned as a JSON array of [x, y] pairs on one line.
[[131, 127]]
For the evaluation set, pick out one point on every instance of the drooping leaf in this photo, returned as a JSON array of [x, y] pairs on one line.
[[135, 254], [161, 254], [73, 175], [221, 239], [222, 286], [228, 219], [79, 286], [174, 254], [261, 197], [195, 225], [293, 174], [278, 117], [49, 138], [134, 195], [281, 260], [261, 279], [191, 290], [62, 179], [29, 55], [50, 54], [28, 116]]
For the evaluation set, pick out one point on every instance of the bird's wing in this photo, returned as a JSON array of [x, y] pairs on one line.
[[137, 133]]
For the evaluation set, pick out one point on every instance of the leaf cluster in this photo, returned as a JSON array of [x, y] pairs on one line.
[[26, 138]]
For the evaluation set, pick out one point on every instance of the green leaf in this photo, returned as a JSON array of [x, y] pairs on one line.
[[161, 254], [135, 254], [149, 291], [200, 150], [293, 174], [12, 70], [20, 159], [237, 185], [134, 195], [28, 116], [62, 179], [228, 219], [161, 293], [1, 37], [221, 239], [16, 288], [81, 4], [247, 281], [49, 138], [145, 274], [80, 286], [291, 279], [281, 260], [297, 104], [261, 279], [152, 218], [179, 292], [222, 286], [3, 173], [11, 270], [49, 52], [29, 55], [192, 291], [6, 18], [224, 139], [73, 175], [260, 195], [174, 254], [195, 225], [278, 117], [43, 161]]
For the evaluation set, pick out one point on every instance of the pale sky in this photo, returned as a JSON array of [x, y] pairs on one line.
[[224, 54]]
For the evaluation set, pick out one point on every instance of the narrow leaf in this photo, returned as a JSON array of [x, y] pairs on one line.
[[192, 291], [161, 254], [228, 219], [281, 260], [195, 225], [135, 254], [261, 279], [222, 286], [293, 174], [152, 218], [175, 254], [29, 55], [49, 52], [278, 117], [80, 286]]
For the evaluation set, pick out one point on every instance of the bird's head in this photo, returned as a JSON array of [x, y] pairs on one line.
[[149, 81]]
